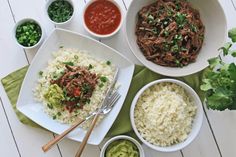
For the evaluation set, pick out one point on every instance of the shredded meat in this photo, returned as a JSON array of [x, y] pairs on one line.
[[78, 84], [170, 32]]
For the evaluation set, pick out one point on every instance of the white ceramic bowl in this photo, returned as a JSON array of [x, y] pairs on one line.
[[21, 22], [99, 35], [49, 2], [120, 137], [197, 123], [213, 18]]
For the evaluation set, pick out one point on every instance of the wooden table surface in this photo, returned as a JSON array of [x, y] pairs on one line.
[[217, 137]]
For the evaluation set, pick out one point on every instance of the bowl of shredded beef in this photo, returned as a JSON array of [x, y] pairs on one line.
[[175, 37]]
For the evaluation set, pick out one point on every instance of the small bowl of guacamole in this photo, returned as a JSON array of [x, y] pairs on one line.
[[124, 146]]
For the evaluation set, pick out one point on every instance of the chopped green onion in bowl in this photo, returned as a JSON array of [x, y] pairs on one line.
[[60, 11], [28, 33]]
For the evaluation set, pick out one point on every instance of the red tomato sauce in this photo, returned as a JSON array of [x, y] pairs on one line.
[[102, 17]]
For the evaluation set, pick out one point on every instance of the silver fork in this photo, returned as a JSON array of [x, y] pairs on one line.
[[105, 108], [109, 96], [114, 98]]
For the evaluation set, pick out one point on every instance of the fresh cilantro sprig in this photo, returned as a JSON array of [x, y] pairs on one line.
[[219, 81]]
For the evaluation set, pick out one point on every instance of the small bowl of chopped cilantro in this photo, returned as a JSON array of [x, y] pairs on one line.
[[60, 12], [28, 33]]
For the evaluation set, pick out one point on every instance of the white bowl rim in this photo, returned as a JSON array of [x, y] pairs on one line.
[[198, 123], [158, 71], [125, 137], [100, 35], [21, 22], [49, 2]]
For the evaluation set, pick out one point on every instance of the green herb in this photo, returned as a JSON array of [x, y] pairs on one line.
[[155, 30], [184, 49], [76, 57], [193, 28], [90, 67], [201, 37], [49, 106], [170, 11], [178, 37], [180, 19], [150, 18], [101, 85], [166, 33], [219, 81], [57, 75], [86, 88], [165, 23], [78, 104], [71, 76], [226, 48], [64, 91], [232, 34], [59, 113], [88, 101], [28, 33], [177, 5], [40, 73], [103, 79], [61, 47], [54, 117], [166, 47], [60, 11], [175, 48], [68, 63], [178, 63], [108, 62]]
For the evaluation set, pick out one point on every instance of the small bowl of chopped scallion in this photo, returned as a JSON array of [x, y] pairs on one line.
[[28, 33], [60, 12]]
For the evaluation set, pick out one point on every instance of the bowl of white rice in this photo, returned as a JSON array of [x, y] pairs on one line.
[[166, 115]]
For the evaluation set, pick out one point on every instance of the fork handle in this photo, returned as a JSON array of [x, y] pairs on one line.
[[58, 138], [84, 142]]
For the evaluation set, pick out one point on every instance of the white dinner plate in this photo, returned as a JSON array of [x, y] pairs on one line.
[[59, 37]]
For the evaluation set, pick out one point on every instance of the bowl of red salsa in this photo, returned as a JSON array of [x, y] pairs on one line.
[[102, 18]]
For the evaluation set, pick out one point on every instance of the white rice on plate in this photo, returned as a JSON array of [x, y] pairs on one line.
[[164, 114], [57, 66]]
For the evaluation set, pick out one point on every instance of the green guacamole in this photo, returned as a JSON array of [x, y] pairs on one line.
[[122, 148], [54, 95]]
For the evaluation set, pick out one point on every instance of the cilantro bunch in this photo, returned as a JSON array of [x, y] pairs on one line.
[[219, 80]]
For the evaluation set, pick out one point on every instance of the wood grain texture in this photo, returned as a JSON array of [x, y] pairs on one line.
[[234, 3], [6, 135], [32, 9], [27, 138], [20, 140], [202, 144]]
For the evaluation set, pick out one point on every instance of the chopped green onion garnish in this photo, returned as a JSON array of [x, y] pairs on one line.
[[108, 62], [90, 67], [68, 63], [40, 73], [103, 79], [101, 85]]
